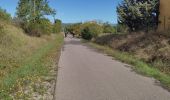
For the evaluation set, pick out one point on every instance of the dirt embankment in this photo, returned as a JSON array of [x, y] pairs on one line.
[[153, 48]]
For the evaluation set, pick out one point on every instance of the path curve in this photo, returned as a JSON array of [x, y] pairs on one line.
[[85, 74]]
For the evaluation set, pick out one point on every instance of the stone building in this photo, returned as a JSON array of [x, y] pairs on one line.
[[164, 17]]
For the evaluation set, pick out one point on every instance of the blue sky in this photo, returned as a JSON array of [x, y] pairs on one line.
[[71, 11]]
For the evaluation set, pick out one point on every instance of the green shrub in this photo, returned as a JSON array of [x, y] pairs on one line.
[[74, 28], [57, 26], [33, 29], [93, 29], [122, 28], [86, 34], [38, 28], [46, 26], [107, 28], [18, 22]]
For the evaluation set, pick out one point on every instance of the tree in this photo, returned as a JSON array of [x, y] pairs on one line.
[[31, 16], [57, 26], [23, 9], [74, 29], [139, 14], [33, 9], [86, 34], [91, 29]]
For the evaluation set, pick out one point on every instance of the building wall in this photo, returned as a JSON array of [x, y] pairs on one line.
[[164, 16]]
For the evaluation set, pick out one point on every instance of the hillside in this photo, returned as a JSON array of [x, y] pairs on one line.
[[153, 48], [15, 45]]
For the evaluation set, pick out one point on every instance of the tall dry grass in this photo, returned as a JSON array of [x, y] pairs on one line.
[[15, 47]]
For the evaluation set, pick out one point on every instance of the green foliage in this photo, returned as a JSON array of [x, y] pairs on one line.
[[74, 29], [33, 29], [86, 34], [31, 16], [29, 10], [46, 26], [43, 26], [121, 28], [57, 26], [94, 29], [139, 14], [87, 30], [107, 28], [23, 9], [77, 29], [4, 15]]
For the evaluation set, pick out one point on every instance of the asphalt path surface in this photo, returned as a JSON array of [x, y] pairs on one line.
[[85, 74]]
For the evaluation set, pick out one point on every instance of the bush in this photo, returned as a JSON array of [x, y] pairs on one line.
[[33, 29], [107, 28], [93, 29], [74, 29], [57, 26], [122, 28], [38, 28], [86, 34], [19, 23], [46, 26]]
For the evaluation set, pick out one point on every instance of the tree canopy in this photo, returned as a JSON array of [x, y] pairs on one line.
[[31, 16], [29, 10], [139, 14]]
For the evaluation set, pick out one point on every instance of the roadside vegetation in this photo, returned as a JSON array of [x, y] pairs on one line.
[[148, 57], [139, 66], [29, 50]]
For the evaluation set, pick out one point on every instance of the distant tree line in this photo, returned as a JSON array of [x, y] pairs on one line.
[[139, 14], [90, 30]]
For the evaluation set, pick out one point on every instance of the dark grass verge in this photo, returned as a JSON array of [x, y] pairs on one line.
[[38, 64], [138, 65]]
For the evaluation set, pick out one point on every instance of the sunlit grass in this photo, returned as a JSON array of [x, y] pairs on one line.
[[24, 59], [37, 64]]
